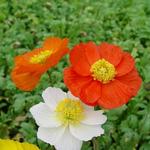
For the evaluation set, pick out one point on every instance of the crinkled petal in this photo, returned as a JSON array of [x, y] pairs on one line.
[[111, 53], [74, 81], [91, 52], [6, 144], [86, 107], [91, 93], [132, 80], [44, 116], [86, 132], [71, 96], [94, 117], [55, 43], [125, 65], [52, 96], [27, 146], [15, 145], [25, 81], [68, 142], [50, 135], [114, 94], [79, 61]]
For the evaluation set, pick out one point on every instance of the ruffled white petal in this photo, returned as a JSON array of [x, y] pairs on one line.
[[44, 116], [52, 96], [86, 132], [94, 117], [87, 107], [50, 135], [68, 142]]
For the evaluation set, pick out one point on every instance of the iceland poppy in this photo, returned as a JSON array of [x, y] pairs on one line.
[[30, 66], [102, 75], [64, 121], [15, 145]]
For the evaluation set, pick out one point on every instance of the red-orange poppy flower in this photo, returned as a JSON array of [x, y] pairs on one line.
[[30, 66], [102, 75]]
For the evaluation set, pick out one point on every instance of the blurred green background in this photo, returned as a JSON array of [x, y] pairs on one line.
[[24, 24]]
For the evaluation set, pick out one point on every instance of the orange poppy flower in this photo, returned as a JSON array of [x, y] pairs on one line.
[[30, 66], [102, 75]]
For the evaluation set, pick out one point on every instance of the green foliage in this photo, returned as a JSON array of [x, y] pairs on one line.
[[23, 26]]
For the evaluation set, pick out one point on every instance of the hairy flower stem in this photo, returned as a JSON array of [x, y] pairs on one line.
[[95, 144], [48, 73]]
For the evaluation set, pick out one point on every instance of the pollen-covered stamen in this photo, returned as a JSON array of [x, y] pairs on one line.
[[103, 71], [41, 57], [69, 111]]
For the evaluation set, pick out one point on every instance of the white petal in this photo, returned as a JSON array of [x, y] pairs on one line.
[[50, 135], [68, 142], [94, 117], [52, 96], [44, 116], [86, 132], [87, 107]]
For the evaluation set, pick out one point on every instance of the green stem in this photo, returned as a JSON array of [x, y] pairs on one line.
[[49, 76], [95, 144]]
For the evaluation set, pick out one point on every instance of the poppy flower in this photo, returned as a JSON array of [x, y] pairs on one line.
[[15, 145], [64, 121], [102, 75], [30, 66]]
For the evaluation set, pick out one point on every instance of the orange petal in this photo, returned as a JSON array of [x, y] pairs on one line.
[[91, 52], [74, 81], [55, 57], [59, 47], [125, 65], [79, 60], [111, 53], [91, 93], [114, 94], [24, 61], [133, 80], [55, 44], [24, 58], [25, 81]]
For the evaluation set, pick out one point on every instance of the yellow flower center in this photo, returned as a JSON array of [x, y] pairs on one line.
[[41, 57], [103, 71], [69, 111]]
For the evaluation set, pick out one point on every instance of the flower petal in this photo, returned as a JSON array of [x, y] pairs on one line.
[[23, 61], [74, 81], [94, 117], [79, 61], [91, 93], [86, 132], [52, 96], [6, 144], [68, 142], [71, 96], [55, 43], [111, 53], [44, 116], [27, 146], [25, 81], [86, 107], [50, 135], [133, 80], [126, 65], [59, 47], [114, 94], [91, 52]]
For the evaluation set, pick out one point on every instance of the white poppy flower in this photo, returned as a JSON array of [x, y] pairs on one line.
[[64, 121]]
